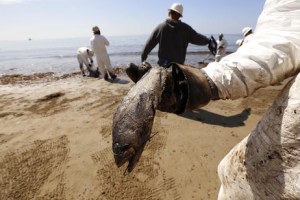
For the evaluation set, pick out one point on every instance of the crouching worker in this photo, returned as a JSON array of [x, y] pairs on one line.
[[84, 56]]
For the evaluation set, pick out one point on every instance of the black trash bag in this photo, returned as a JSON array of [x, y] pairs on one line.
[[94, 73]]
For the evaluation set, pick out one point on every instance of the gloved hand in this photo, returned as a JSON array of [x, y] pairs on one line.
[[90, 65], [136, 72], [212, 45], [144, 58], [188, 89]]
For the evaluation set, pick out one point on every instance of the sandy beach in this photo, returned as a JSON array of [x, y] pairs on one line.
[[55, 141]]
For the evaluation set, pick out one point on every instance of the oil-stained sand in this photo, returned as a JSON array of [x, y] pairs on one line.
[[55, 142]]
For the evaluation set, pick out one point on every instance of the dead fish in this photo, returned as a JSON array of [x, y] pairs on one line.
[[133, 119]]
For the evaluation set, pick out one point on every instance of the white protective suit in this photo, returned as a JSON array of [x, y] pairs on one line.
[[268, 57], [98, 45], [221, 49], [266, 164], [85, 58]]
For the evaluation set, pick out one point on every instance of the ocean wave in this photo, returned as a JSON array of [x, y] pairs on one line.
[[114, 54], [120, 54]]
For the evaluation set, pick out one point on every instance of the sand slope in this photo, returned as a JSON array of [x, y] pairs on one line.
[[55, 142]]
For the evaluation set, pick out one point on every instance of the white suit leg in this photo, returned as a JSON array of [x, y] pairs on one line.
[[107, 64], [101, 66], [265, 165], [80, 61]]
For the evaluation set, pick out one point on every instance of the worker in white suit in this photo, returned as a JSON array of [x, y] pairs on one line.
[[85, 58], [221, 47], [266, 164], [247, 33], [98, 45]]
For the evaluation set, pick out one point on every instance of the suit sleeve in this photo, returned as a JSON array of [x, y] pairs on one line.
[[106, 41], [270, 55]]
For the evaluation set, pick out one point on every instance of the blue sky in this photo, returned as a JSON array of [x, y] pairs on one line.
[[39, 19]]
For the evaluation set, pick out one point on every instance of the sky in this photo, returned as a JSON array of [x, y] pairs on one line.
[[53, 19]]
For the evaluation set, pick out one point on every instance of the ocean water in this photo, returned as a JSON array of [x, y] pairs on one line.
[[59, 56]]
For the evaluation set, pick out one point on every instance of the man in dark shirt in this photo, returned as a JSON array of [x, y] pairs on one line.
[[173, 37]]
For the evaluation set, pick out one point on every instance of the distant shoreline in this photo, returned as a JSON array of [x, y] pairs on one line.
[[108, 36]]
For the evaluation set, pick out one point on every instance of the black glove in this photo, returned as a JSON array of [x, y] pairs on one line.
[[190, 87], [212, 45], [144, 58], [90, 65], [136, 72]]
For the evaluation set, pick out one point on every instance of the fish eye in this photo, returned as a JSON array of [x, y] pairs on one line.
[[118, 149]]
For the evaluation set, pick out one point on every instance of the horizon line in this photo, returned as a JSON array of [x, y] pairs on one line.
[[76, 37]]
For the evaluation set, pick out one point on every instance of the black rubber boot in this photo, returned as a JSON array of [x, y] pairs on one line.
[[106, 77], [113, 76]]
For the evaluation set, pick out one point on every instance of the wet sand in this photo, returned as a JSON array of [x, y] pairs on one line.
[[55, 141]]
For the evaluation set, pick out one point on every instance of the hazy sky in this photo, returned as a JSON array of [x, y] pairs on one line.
[[21, 19]]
